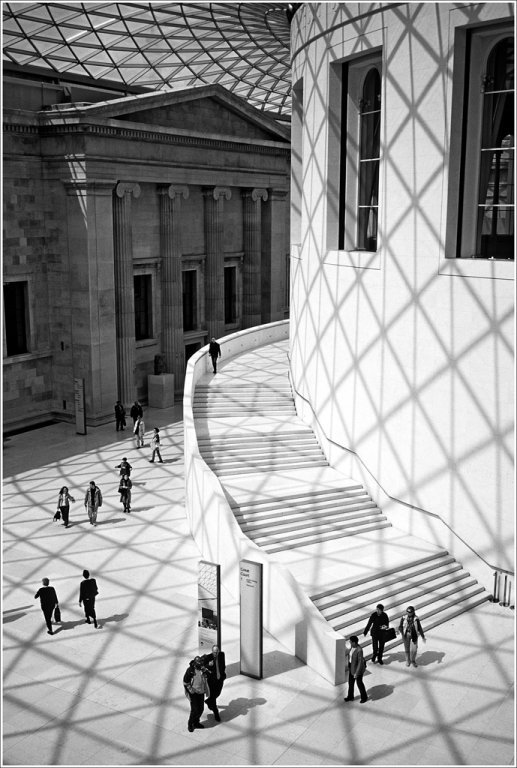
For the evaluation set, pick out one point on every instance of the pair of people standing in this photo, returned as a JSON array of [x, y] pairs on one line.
[[205, 676], [50, 604], [120, 416]]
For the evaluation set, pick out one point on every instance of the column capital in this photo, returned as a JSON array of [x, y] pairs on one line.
[[255, 194], [278, 194], [125, 187], [217, 192], [174, 190]]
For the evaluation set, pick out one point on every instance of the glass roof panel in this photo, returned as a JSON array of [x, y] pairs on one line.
[[244, 46]]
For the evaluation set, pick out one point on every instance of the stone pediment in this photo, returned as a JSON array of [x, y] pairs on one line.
[[205, 110]]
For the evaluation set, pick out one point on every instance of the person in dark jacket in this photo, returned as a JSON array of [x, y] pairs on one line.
[[196, 688], [410, 628], [378, 622], [214, 350], [215, 663], [136, 411], [48, 602], [120, 416], [124, 489], [92, 502], [125, 467], [356, 670], [87, 593]]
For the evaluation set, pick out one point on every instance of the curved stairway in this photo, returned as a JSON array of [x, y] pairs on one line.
[[321, 525]]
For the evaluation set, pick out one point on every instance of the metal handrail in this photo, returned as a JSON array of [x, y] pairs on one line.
[[393, 498]]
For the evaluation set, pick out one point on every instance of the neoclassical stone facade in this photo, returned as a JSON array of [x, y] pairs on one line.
[[134, 229]]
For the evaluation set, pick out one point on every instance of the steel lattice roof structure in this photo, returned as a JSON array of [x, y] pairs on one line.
[[158, 46]]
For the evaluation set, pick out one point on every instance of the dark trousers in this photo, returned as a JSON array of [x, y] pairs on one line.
[[197, 705], [64, 513], [47, 613], [216, 686], [89, 609], [214, 363], [121, 423], [378, 643], [360, 685]]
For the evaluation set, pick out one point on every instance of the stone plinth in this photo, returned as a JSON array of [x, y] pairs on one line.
[[160, 390]]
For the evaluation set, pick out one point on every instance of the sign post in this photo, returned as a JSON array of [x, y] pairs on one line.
[[208, 606], [251, 614], [80, 410]]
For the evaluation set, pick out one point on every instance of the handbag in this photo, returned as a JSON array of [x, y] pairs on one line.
[[390, 633], [57, 613], [57, 516]]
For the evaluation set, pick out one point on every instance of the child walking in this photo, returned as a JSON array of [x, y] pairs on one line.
[[155, 441]]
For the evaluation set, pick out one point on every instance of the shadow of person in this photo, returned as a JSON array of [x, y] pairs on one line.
[[238, 707], [111, 520], [380, 692], [69, 624], [394, 657], [430, 657], [12, 614], [115, 618]]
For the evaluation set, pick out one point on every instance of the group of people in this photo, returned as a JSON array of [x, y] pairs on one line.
[[203, 682], [137, 414], [49, 602], [410, 629]]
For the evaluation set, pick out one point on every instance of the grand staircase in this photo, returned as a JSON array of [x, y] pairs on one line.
[[325, 526]]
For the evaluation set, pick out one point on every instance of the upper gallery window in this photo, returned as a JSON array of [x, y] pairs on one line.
[[360, 154], [143, 307], [16, 321], [230, 295], [190, 321], [486, 221]]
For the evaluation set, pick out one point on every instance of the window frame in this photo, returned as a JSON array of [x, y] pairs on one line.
[[26, 311], [150, 318]]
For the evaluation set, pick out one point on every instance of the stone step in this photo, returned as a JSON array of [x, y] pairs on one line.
[[275, 467], [398, 594], [303, 497], [373, 590], [258, 441], [220, 463], [421, 600], [318, 539], [227, 457], [264, 518], [302, 522]]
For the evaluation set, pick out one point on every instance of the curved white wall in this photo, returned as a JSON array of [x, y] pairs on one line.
[[289, 615], [405, 356]]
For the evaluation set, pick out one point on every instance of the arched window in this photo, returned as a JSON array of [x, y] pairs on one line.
[[495, 219], [369, 155]]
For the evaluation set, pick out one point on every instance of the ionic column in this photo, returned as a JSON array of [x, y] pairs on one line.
[[214, 271], [251, 278], [124, 289], [171, 250]]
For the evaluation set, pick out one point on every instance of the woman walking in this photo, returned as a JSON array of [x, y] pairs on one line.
[[139, 432], [63, 504], [410, 628], [125, 492]]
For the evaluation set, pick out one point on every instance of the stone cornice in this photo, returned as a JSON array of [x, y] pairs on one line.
[[155, 136]]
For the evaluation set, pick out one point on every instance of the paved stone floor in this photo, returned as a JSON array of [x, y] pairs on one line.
[[114, 696]]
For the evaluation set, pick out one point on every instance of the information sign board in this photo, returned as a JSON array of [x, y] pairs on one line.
[[251, 616]]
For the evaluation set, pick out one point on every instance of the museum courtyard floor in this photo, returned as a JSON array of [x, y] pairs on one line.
[[114, 696]]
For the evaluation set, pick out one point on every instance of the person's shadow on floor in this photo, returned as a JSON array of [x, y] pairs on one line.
[[380, 692], [423, 659], [238, 707], [66, 625]]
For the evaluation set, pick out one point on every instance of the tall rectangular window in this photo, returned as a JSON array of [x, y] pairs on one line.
[[230, 295], [360, 153], [143, 307], [16, 317], [190, 321], [486, 193]]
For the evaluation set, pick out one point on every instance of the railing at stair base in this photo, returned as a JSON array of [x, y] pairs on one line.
[[289, 614], [480, 568]]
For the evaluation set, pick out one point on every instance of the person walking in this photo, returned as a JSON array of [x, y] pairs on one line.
[[215, 663], [410, 628], [196, 688], [120, 416], [125, 467], [87, 593], [124, 489], [136, 411], [139, 431], [92, 502], [63, 504], [214, 350], [155, 441], [356, 669], [378, 622], [48, 601]]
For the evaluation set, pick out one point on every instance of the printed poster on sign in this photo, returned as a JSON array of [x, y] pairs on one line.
[[209, 606]]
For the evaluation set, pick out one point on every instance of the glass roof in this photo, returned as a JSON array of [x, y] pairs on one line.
[[160, 46]]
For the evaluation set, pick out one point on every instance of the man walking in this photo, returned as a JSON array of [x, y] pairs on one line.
[[92, 502], [155, 442], [136, 411], [215, 663], [378, 622], [196, 688], [87, 593], [214, 350], [48, 602], [356, 669], [120, 416]]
